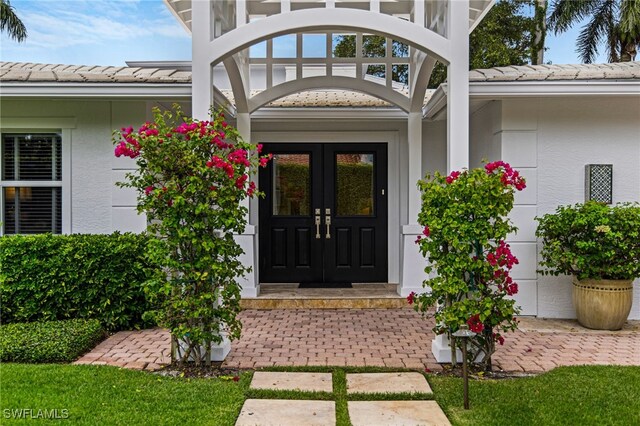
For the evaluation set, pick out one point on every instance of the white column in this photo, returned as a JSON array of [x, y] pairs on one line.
[[413, 263], [248, 239], [201, 70], [202, 98], [414, 136], [458, 86], [457, 115]]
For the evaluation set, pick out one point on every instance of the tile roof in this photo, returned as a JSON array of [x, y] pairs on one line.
[[614, 71], [325, 98], [52, 73], [17, 72], [33, 72]]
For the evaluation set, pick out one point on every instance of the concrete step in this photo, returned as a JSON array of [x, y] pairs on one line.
[[325, 303]]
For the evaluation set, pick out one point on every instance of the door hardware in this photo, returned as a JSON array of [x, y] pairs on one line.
[[318, 221], [327, 221]]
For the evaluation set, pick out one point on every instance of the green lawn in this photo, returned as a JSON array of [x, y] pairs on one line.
[[596, 395], [99, 395], [108, 395]]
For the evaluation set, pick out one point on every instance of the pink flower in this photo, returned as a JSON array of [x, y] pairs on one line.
[[475, 324], [239, 156], [411, 298], [252, 189], [418, 239], [259, 147], [148, 190], [426, 231], [509, 177], [241, 181], [452, 177]]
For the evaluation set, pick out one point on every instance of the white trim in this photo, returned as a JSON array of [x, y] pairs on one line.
[[310, 20], [103, 90], [392, 139], [333, 114], [436, 105], [346, 83], [555, 88], [478, 18], [54, 124]]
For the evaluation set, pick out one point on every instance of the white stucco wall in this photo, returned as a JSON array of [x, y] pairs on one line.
[[434, 147], [550, 141], [484, 127], [572, 133], [97, 206]]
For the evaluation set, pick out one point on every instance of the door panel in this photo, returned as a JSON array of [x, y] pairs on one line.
[[324, 214], [291, 183], [353, 189]]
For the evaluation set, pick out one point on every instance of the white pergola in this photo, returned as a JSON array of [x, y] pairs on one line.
[[224, 31]]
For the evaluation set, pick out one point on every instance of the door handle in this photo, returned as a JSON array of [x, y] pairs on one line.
[[327, 221], [318, 221]]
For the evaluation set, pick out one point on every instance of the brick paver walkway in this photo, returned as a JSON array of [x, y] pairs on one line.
[[375, 337]]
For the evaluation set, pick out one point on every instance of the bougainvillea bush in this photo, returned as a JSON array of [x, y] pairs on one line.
[[191, 179], [465, 224]]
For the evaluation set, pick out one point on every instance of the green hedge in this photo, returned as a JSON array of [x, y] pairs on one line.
[[56, 277], [49, 341]]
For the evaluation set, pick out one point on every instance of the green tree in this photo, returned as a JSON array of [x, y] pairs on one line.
[[374, 46], [614, 23], [506, 36], [10, 22]]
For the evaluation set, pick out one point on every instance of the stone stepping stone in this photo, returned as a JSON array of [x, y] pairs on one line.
[[306, 382], [405, 413], [387, 383], [279, 412]]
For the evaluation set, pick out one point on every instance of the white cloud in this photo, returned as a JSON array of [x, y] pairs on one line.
[[83, 22]]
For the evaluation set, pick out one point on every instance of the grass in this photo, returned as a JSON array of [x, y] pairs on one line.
[[585, 395], [96, 395], [107, 395]]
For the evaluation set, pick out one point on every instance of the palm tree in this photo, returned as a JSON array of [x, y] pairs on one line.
[[614, 22], [10, 22]]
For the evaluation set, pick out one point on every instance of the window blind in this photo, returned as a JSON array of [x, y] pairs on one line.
[[31, 160], [35, 157], [32, 210]]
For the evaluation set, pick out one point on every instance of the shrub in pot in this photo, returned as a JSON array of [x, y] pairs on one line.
[[600, 246]]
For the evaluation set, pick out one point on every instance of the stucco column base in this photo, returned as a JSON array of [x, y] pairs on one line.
[[219, 351], [441, 349], [413, 263], [249, 283]]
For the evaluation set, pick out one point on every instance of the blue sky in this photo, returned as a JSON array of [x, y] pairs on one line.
[[110, 32]]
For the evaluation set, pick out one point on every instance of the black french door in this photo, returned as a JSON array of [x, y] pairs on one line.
[[324, 216]]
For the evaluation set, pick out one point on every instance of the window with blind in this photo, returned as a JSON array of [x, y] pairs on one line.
[[32, 183]]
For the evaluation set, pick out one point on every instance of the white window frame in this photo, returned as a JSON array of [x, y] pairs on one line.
[[61, 125]]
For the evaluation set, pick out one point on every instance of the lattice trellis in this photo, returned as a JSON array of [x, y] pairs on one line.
[[599, 182]]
